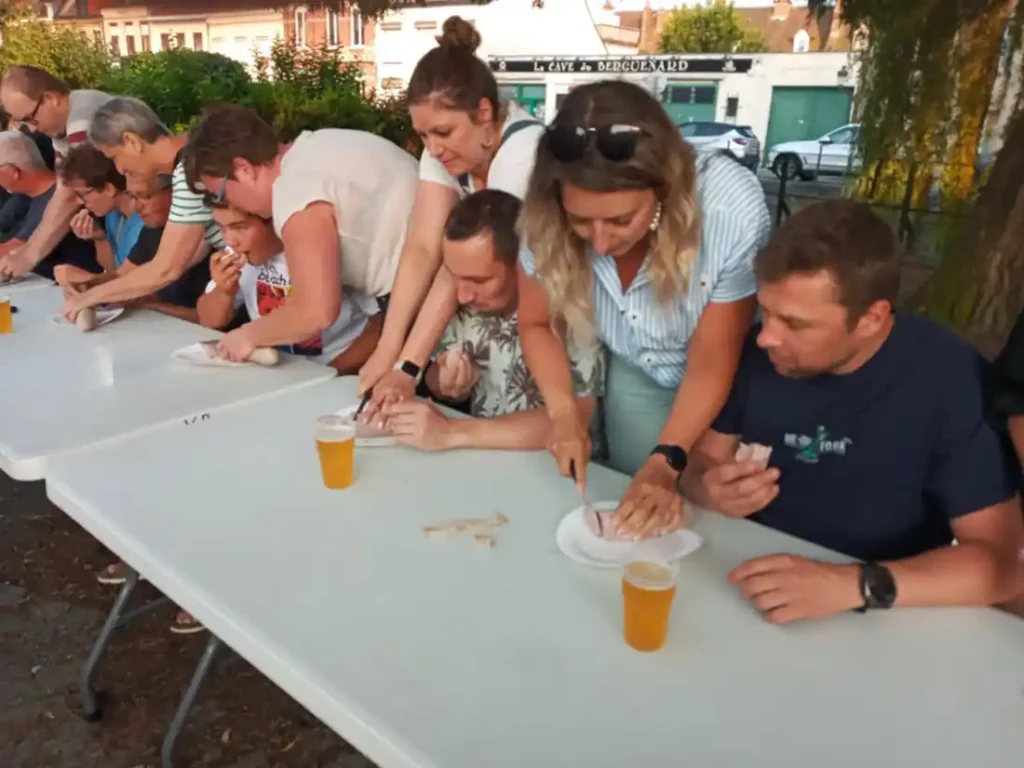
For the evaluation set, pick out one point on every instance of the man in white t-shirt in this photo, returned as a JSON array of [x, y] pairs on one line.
[[37, 99], [128, 132], [253, 274], [340, 201]]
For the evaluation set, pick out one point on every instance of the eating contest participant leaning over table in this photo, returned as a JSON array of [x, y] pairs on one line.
[[629, 237], [472, 142]]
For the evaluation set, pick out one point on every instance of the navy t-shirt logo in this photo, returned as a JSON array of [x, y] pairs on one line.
[[810, 449]]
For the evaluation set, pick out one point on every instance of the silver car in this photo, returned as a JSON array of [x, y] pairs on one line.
[[738, 141]]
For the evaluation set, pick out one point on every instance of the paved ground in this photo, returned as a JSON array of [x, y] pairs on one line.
[[51, 608]]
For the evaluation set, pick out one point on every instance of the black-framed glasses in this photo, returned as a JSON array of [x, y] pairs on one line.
[[616, 142], [30, 119], [212, 199]]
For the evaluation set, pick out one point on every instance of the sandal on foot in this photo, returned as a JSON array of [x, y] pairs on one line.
[[185, 624]]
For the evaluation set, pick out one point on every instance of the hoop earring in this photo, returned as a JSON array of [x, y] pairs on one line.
[[656, 219]]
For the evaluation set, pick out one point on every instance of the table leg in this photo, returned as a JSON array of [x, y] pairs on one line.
[[92, 700], [174, 731]]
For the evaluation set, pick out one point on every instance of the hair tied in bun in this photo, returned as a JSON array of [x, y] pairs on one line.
[[458, 36]]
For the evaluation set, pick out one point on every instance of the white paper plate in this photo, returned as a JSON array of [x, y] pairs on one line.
[[578, 543], [369, 441], [197, 354], [103, 316]]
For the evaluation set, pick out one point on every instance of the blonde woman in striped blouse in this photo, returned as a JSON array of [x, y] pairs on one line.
[[631, 238]]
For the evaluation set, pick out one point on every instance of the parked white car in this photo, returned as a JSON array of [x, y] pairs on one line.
[[738, 140], [835, 152]]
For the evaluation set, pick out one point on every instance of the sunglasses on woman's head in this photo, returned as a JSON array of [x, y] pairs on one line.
[[615, 142]]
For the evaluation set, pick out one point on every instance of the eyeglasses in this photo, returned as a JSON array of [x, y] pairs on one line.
[[615, 142], [30, 119], [211, 199]]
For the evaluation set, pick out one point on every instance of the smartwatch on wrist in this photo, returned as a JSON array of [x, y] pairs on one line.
[[409, 368], [674, 455], [877, 587]]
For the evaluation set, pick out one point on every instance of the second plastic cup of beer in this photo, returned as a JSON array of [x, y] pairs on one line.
[[6, 317], [336, 445], [648, 589]]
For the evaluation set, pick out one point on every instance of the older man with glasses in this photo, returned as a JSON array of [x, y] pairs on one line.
[[37, 100], [132, 136], [24, 172]]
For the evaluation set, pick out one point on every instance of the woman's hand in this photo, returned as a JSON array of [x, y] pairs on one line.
[[570, 444], [652, 505], [393, 387]]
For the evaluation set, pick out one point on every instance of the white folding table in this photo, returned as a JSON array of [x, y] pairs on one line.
[[436, 654], [62, 390], [28, 282]]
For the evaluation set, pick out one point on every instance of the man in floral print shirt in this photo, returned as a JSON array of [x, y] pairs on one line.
[[480, 362]]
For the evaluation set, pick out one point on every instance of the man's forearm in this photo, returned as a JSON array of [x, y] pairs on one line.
[[216, 309], [54, 225], [143, 280], [1016, 426], [105, 255], [522, 431], [969, 573]]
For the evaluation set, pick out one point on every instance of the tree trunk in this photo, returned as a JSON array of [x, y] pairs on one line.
[[979, 289]]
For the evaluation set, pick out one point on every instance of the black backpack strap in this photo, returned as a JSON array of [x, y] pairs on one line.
[[509, 132]]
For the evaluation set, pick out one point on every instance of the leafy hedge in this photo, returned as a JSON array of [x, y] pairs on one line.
[[292, 89]]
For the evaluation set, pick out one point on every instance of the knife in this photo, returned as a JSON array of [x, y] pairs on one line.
[[365, 400], [586, 504]]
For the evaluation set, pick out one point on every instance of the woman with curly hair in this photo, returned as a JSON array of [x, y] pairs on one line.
[[631, 238]]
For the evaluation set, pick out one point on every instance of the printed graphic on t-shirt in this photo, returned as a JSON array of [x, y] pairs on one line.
[[810, 449], [272, 288]]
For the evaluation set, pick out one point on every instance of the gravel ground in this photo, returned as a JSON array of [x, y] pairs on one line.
[[51, 609]]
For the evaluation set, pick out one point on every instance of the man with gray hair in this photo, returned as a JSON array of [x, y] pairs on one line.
[[23, 171], [36, 99], [128, 132]]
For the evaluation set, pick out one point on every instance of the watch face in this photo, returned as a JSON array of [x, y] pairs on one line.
[[675, 456]]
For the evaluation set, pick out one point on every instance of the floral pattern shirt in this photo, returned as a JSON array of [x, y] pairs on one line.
[[492, 342]]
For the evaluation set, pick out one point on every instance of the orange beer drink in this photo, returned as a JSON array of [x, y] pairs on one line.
[[336, 445], [6, 317], [648, 589]]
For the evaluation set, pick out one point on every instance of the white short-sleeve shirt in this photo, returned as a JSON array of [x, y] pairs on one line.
[[511, 167], [370, 182], [655, 335], [264, 288]]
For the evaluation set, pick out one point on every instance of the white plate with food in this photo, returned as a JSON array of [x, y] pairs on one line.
[[577, 536], [367, 435], [101, 316]]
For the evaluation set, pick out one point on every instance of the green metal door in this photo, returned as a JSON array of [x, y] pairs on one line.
[[689, 102], [529, 97], [798, 114]]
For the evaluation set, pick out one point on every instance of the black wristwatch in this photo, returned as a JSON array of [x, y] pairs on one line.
[[877, 587], [410, 368], [674, 455]]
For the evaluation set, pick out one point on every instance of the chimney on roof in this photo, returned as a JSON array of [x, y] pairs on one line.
[[781, 9], [649, 41]]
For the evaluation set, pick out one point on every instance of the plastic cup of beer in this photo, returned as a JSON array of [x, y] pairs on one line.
[[6, 316], [336, 445], [648, 589]]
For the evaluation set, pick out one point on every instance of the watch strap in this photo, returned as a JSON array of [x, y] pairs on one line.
[[410, 368], [674, 455]]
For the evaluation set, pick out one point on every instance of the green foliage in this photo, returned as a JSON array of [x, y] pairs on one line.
[[177, 84], [67, 53], [713, 28], [293, 89]]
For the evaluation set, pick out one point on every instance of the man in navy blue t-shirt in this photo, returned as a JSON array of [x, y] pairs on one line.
[[881, 445]]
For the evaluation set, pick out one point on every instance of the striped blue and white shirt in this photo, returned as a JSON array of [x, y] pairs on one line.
[[187, 208], [654, 335]]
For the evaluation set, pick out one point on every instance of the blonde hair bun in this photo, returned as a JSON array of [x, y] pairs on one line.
[[458, 36]]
